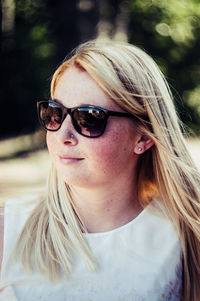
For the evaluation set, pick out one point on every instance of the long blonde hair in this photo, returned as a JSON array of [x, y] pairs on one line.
[[131, 78]]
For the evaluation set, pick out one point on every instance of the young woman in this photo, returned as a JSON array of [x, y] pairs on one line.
[[121, 216]]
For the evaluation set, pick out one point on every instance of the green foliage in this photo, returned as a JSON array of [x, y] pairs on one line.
[[37, 35], [26, 54], [29, 55], [170, 30]]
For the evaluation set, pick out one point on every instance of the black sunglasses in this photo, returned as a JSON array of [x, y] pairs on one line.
[[89, 121]]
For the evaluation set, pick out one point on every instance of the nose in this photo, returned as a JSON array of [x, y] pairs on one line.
[[67, 134]]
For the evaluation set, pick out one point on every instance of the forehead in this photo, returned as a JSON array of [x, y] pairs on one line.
[[76, 87]]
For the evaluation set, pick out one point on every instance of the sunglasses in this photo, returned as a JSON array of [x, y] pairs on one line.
[[89, 121]]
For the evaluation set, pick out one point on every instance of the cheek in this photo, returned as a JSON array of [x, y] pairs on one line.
[[112, 154]]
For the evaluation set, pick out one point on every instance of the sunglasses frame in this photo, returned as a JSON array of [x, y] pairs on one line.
[[69, 111]]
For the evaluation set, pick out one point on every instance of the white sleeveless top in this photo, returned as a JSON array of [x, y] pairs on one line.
[[140, 261]]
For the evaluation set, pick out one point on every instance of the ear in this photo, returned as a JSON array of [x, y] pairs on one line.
[[142, 144]]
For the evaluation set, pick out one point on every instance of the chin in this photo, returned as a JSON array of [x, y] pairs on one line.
[[76, 181]]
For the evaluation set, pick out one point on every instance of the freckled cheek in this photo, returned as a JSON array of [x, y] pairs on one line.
[[104, 161], [110, 155]]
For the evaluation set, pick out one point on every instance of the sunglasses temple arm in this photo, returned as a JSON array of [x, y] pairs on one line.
[[119, 114]]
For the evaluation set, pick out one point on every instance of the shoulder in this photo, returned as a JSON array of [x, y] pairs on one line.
[[155, 227], [20, 206], [1, 233], [159, 216], [17, 210], [22, 200], [157, 210], [161, 228], [13, 216]]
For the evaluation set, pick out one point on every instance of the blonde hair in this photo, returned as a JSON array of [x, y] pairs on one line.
[[131, 78]]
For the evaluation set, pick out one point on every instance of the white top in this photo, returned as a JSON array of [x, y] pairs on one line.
[[140, 261]]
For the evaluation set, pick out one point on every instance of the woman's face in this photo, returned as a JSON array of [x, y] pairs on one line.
[[91, 162]]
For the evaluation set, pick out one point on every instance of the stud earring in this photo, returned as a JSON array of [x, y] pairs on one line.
[[139, 149]]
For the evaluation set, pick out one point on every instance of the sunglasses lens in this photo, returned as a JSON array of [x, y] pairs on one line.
[[50, 116], [89, 122]]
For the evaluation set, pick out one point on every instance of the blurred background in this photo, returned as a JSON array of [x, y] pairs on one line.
[[36, 35]]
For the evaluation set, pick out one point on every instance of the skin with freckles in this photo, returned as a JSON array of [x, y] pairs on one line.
[[100, 171]]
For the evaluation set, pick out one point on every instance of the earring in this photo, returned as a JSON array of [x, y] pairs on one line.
[[139, 149]]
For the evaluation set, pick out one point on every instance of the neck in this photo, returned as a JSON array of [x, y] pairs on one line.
[[106, 209]]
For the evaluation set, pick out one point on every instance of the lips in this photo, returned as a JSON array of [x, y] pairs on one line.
[[69, 159]]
